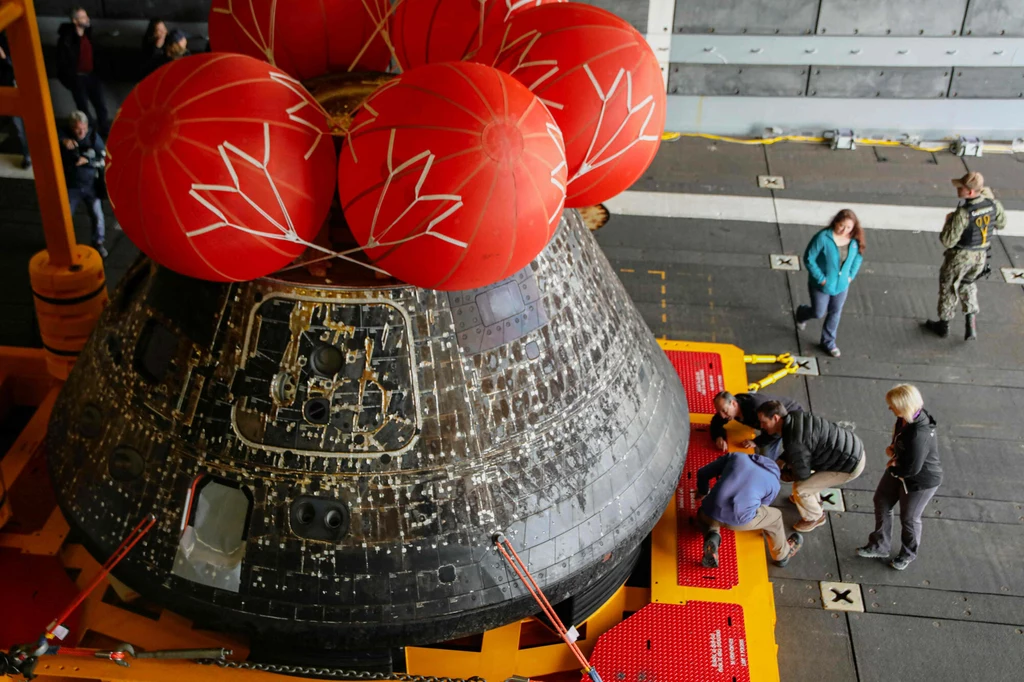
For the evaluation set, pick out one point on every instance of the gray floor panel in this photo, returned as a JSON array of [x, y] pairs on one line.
[[706, 286], [1014, 247], [718, 325], [818, 173], [945, 507], [795, 593], [695, 165], [917, 298], [957, 556], [924, 603], [728, 237], [928, 650], [973, 468], [969, 411], [866, 367], [814, 645], [904, 341], [817, 557]]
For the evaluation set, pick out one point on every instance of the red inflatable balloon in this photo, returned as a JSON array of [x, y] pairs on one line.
[[304, 38], [220, 167], [601, 82], [453, 176], [433, 31]]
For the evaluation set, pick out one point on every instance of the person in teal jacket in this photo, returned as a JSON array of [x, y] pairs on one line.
[[832, 260]]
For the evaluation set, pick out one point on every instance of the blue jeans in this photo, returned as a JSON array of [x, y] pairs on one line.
[[19, 127], [831, 307], [95, 207]]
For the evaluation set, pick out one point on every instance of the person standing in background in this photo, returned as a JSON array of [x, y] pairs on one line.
[[966, 236], [153, 41], [910, 479], [832, 258], [7, 80], [82, 152], [76, 64]]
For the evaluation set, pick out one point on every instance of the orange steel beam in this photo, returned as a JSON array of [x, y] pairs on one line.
[[32, 102], [9, 13]]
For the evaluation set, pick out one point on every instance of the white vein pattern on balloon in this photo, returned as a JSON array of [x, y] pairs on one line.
[[265, 44], [592, 160], [231, 154], [555, 133]]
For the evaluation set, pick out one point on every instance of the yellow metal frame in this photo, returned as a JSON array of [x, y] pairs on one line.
[[754, 591], [31, 101]]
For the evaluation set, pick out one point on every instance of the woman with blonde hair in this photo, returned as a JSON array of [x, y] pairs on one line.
[[911, 477]]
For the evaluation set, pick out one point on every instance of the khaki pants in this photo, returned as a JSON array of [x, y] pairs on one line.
[[767, 519], [805, 493]]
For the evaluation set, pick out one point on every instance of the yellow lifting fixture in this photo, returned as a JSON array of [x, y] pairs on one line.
[[786, 359]]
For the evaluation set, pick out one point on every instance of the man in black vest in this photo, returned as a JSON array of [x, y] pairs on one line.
[[966, 236], [816, 454]]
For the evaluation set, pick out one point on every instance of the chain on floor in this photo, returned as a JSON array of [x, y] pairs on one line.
[[335, 673]]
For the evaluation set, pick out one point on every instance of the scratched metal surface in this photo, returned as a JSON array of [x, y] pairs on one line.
[[540, 407]]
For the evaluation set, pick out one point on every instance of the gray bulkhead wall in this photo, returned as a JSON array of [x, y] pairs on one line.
[[934, 68]]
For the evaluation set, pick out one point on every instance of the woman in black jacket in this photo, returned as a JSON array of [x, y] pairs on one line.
[[911, 477]]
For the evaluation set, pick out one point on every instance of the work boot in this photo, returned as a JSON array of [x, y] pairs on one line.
[[711, 542], [938, 327], [796, 541], [970, 328]]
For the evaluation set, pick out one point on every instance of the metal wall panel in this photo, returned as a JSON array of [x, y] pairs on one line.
[[891, 83], [994, 18], [988, 84], [783, 17], [892, 17], [847, 50], [745, 81], [59, 8], [933, 119], [633, 11], [171, 10]]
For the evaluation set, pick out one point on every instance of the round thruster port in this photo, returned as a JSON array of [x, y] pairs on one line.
[[125, 464], [326, 360], [317, 411], [303, 514]]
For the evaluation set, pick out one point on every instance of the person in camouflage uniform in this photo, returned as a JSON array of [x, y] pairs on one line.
[[966, 236]]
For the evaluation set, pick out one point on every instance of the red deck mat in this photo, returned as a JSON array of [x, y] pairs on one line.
[[701, 374], [692, 642], [689, 540]]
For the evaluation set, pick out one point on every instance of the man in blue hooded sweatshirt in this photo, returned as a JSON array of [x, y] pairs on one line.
[[746, 485]]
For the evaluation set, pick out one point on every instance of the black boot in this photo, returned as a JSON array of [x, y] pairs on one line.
[[938, 327], [712, 540], [970, 328]]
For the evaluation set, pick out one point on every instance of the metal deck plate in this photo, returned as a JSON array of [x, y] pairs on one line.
[[689, 539], [701, 374], [693, 642]]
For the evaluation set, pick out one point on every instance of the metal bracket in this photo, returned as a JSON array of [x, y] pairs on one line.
[[842, 139], [968, 146], [841, 597], [806, 365], [1013, 275], [782, 261], [771, 182]]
